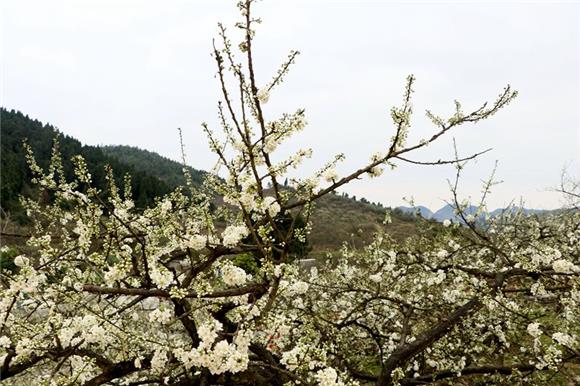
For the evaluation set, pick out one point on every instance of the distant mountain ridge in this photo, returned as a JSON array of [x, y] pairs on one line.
[[423, 210], [447, 212]]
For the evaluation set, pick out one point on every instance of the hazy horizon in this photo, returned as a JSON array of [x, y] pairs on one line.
[[131, 73]]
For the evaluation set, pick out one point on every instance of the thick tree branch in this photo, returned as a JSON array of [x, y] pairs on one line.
[[252, 288], [471, 370]]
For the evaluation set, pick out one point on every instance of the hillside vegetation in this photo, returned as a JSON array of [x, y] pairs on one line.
[[17, 128], [146, 161], [336, 218]]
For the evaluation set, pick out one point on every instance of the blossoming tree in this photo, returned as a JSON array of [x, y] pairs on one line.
[[123, 296]]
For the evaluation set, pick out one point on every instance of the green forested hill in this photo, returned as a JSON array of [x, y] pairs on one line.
[[336, 218], [15, 174], [167, 170]]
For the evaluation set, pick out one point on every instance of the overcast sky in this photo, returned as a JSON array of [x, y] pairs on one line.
[[131, 72]]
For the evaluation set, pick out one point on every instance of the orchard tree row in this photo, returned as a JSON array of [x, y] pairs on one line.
[[120, 296]]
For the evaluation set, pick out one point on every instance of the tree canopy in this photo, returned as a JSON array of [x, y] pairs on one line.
[[168, 296]]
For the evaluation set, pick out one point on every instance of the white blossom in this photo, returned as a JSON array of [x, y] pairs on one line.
[[158, 361], [271, 206], [113, 274], [534, 329], [161, 316], [328, 377], [233, 276], [161, 276], [377, 277], [376, 171], [278, 270], [208, 331], [330, 175], [21, 261], [4, 342], [196, 242], [263, 95], [299, 288], [166, 206], [564, 266], [564, 339], [233, 234]]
